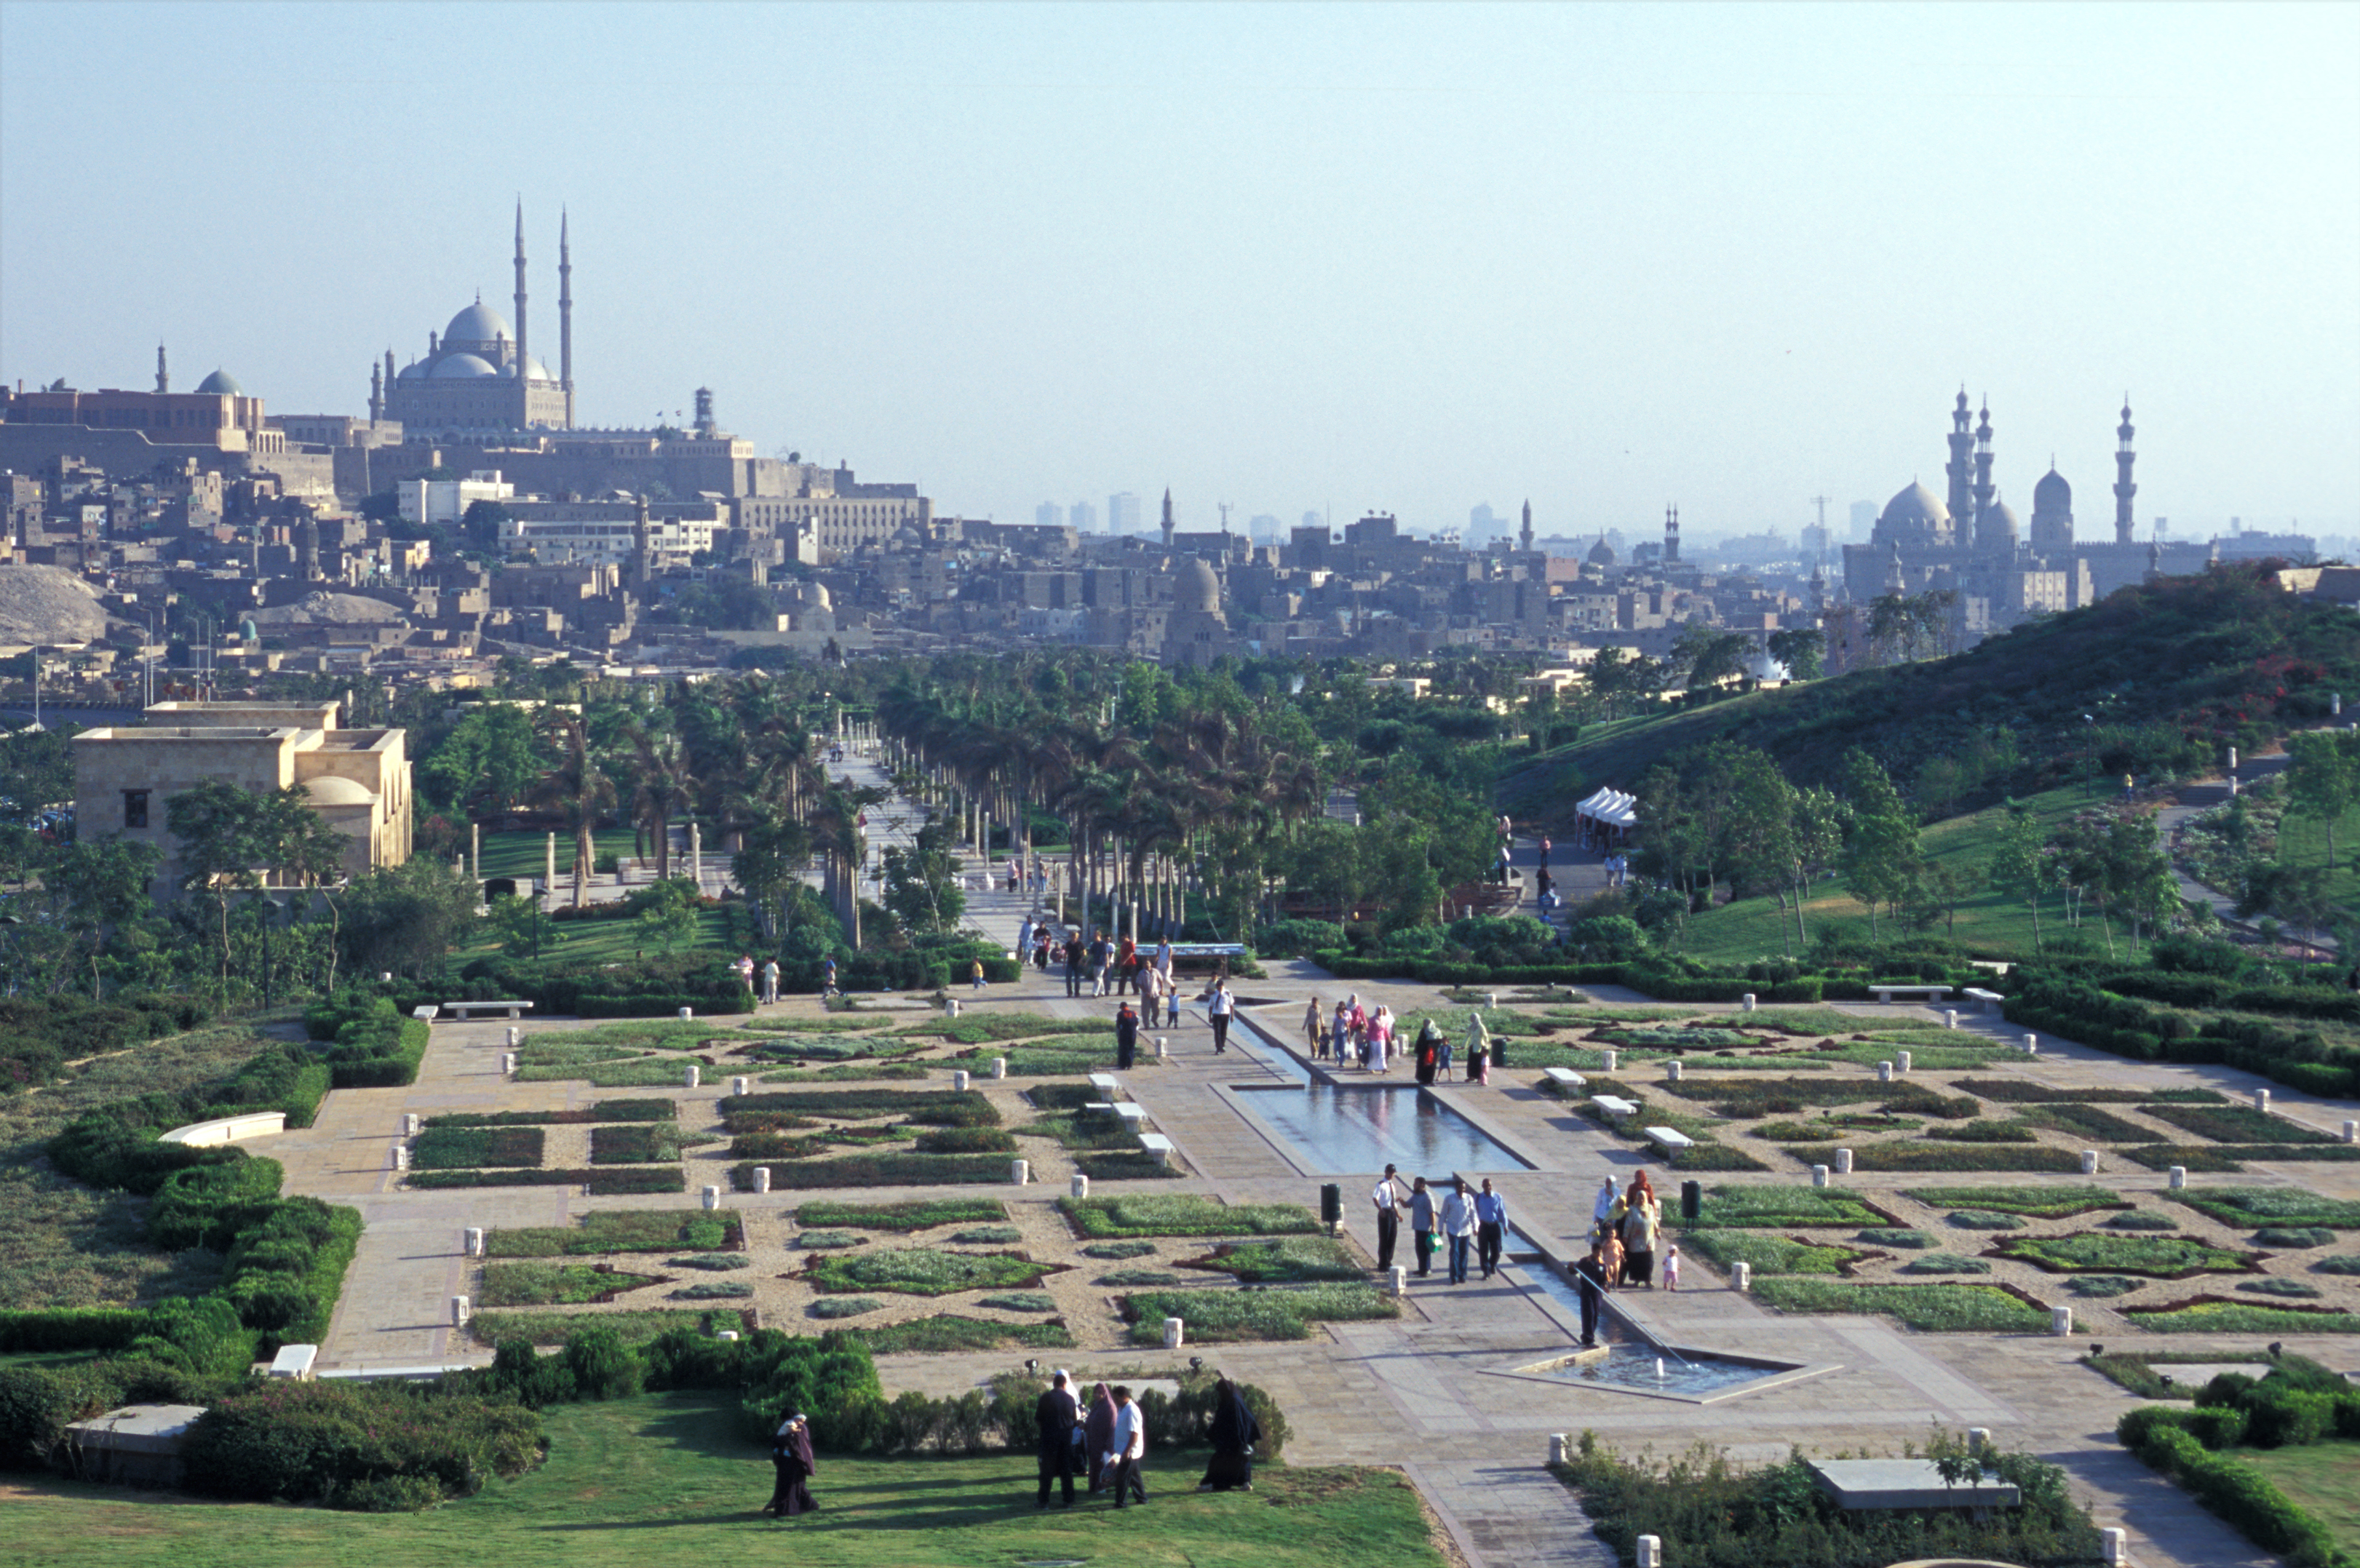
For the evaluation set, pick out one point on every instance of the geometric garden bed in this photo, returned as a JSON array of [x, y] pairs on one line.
[[2155, 1256]]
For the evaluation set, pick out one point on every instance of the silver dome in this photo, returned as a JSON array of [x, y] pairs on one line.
[[462, 367], [478, 323]]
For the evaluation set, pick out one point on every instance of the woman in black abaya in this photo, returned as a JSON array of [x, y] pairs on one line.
[[791, 1454], [1234, 1432]]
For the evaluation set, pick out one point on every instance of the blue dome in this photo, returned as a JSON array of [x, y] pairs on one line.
[[221, 385], [478, 323], [533, 369], [2052, 491], [461, 367]]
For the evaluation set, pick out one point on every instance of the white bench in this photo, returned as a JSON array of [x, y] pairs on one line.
[[1671, 1140], [1988, 1001], [1134, 1114], [294, 1361], [460, 1010], [424, 1012], [1564, 1077], [1155, 1143], [1614, 1106], [1913, 993], [1106, 1083]]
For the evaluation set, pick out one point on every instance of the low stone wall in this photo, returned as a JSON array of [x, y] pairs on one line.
[[228, 1129]]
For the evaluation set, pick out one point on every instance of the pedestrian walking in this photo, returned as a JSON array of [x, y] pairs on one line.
[[770, 981], [1054, 1417], [828, 978], [1421, 1226], [791, 1457], [1491, 1227], [1126, 963], [1074, 955], [1381, 1036], [1442, 1054], [1608, 1207], [1642, 1218], [1128, 1448], [1315, 1029], [1097, 1437], [1387, 1199], [1432, 1043], [1218, 1008], [1101, 953], [1459, 1228], [1024, 938], [1671, 1268], [975, 972], [1478, 1050], [745, 967], [1125, 1037], [1589, 1280], [1233, 1433]]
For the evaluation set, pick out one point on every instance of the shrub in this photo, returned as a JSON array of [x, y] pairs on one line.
[[2294, 1235], [2342, 1263], [355, 1445], [716, 1262], [2103, 1285], [1983, 1219], [1886, 1235], [1183, 1215], [843, 1306], [1942, 1309], [1020, 1301], [1111, 1250], [2239, 1494], [922, 1271], [207, 1205], [1945, 1263], [2272, 1286], [2040, 1203], [459, 1147], [922, 1213], [2139, 1219]]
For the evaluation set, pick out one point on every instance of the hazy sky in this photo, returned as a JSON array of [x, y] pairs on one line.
[[1398, 257]]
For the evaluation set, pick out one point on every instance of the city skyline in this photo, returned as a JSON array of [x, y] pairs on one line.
[[1399, 261]]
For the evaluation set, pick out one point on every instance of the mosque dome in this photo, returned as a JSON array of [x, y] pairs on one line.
[[1198, 590], [413, 371], [1601, 553], [461, 367], [1916, 507], [478, 323], [221, 384], [533, 370], [328, 789], [2003, 517], [2051, 493]]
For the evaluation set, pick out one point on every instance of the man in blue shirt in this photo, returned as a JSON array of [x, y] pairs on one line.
[[1490, 1225], [1459, 1228]]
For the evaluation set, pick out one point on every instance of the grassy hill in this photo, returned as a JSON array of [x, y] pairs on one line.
[[2168, 674]]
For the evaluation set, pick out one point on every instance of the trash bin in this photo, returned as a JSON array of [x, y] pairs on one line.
[[1331, 1205], [1692, 1200]]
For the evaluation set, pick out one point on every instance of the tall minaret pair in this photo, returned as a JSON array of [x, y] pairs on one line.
[[564, 304]]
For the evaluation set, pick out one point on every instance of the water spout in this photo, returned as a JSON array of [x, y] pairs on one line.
[[1659, 1368]]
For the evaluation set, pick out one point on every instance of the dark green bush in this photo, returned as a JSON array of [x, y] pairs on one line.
[[207, 1205], [350, 1445]]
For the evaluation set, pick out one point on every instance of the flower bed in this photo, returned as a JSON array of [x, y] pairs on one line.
[[639, 1108], [712, 1262], [622, 1230], [2230, 1157], [2237, 1124], [925, 1108], [2155, 1256], [1713, 1157], [455, 1148], [1934, 1309], [923, 1271], [555, 1284], [1290, 1258], [2040, 1203], [2217, 1315], [1767, 1206], [714, 1290], [877, 1170], [845, 1306], [948, 1332], [1059, 1059], [1915, 1156], [2087, 1121], [978, 1029], [602, 1182], [1832, 1126], [1945, 1263], [636, 1326], [2021, 1091], [1182, 1215], [1676, 1039], [1121, 1277], [1282, 1313], [1769, 1255], [988, 1236], [922, 1213], [2243, 1206], [1020, 1302], [1126, 1165], [635, 1143]]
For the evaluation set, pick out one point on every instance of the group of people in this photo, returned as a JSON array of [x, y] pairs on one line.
[[1627, 1231], [1354, 1034], [1107, 1444], [1463, 1223], [769, 972]]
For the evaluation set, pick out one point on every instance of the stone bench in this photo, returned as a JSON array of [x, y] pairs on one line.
[[1671, 1140], [1564, 1077], [294, 1361], [227, 1129], [1989, 1001], [1913, 993], [463, 1011], [1614, 1106], [1106, 1084], [424, 1012], [1155, 1143]]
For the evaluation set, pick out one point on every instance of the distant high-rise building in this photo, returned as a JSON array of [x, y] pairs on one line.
[[1315, 520], [1083, 517], [1122, 513], [1049, 515], [1263, 529], [1864, 519], [1483, 524]]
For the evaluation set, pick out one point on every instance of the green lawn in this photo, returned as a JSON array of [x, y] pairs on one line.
[[2323, 1478], [606, 941], [668, 1478], [525, 854]]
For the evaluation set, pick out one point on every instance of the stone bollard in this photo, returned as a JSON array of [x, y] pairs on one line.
[[409, 1124], [1746, 1001], [1951, 1017], [401, 1157], [2352, 1132], [1176, 1334], [1650, 1552], [762, 1178], [712, 1197], [686, 1014], [2089, 1162], [1561, 1448], [1492, 1000], [2061, 1322], [729, 1335], [688, 1076], [1020, 1171], [460, 1311], [1979, 1440], [1672, 1071], [1162, 1047], [959, 1081], [1397, 1280], [950, 1005], [1843, 1161], [741, 1085], [472, 1240], [2032, 1045], [2114, 1546], [1884, 1073], [1081, 1185], [1900, 1063], [2262, 1100], [1819, 1175], [2175, 1177], [1612, 1058], [507, 1062], [514, 1034], [1000, 1067], [1741, 1277]]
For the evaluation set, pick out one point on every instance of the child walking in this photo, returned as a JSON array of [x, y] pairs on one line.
[[1671, 1268]]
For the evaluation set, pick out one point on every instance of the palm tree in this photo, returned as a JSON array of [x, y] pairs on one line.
[[664, 787], [578, 789]]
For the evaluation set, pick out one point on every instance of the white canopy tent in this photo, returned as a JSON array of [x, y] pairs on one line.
[[1607, 817]]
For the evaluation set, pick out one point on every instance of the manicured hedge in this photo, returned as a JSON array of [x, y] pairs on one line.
[[70, 1328], [2096, 1016], [1913, 1155], [373, 1447], [876, 1169], [2238, 1493], [103, 1150], [606, 1182], [208, 1205], [458, 1148]]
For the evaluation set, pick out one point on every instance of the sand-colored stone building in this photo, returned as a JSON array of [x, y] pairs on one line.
[[358, 779]]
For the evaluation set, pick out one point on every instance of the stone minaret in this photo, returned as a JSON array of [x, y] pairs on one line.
[[1526, 537], [643, 555], [377, 393], [2124, 488], [1962, 466], [1671, 535], [566, 316], [163, 377], [519, 292], [1984, 492], [1168, 516]]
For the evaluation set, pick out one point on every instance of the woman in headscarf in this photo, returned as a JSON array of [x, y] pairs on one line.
[[790, 1456], [1430, 1041], [1381, 1036], [1098, 1434], [1478, 1050], [1233, 1433]]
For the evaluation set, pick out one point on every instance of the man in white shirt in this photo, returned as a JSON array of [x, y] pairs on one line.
[[1218, 1008], [1459, 1228], [1387, 1198], [1130, 1446]]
